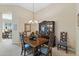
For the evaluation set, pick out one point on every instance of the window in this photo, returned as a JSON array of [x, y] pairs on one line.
[[7, 16]]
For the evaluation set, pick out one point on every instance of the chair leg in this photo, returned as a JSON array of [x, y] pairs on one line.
[[22, 51], [58, 46], [66, 49]]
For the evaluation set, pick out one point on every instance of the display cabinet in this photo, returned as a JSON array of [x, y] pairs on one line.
[[46, 28]]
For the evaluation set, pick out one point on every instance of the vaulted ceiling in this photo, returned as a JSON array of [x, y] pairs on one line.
[[29, 6]]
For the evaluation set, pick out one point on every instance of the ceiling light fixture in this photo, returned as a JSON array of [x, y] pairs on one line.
[[33, 21]]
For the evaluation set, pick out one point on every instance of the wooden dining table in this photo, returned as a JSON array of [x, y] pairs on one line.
[[35, 43]]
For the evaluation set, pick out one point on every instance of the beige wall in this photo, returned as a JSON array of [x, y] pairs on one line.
[[64, 16]]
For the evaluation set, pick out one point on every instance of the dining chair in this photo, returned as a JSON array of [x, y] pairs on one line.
[[63, 41], [46, 50], [25, 47]]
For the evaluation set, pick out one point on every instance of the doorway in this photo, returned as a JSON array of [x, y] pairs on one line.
[[6, 25], [7, 31]]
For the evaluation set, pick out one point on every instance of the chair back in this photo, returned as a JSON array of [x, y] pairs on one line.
[[63, 36], [21, 38]]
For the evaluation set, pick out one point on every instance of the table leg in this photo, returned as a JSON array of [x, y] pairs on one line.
[[33, 50], [50, 51]]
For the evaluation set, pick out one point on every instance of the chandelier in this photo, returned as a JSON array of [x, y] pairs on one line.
[[33, 21]]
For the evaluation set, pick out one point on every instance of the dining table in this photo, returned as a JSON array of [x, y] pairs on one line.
[[35, 43]]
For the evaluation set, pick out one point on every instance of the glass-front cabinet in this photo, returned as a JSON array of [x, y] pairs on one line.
[[47, 30]]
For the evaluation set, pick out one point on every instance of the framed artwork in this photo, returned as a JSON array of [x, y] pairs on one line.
[[78, 19], [27, 27]]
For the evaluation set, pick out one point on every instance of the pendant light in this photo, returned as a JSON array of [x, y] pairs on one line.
[[33, 21]]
